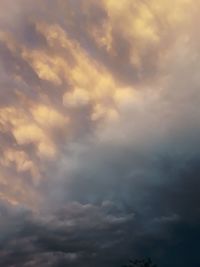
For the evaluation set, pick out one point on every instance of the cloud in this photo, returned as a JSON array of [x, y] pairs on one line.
[[62, 238], [99, 131]]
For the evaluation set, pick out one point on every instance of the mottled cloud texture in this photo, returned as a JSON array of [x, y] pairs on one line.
[[99, 132]]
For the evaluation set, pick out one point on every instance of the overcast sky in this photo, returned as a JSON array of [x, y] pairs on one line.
[[99, 132]]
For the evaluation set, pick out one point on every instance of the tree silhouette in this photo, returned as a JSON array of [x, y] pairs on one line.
[[140, 263]]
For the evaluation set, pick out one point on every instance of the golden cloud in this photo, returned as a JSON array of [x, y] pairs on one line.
[[75, 74]]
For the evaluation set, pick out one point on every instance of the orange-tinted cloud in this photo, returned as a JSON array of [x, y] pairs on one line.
[[68, 76]]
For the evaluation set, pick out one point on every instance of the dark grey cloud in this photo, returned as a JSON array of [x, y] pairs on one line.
[[77, 235], [163, 224]]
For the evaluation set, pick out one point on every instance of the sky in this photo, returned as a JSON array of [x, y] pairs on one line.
[[99, 132]]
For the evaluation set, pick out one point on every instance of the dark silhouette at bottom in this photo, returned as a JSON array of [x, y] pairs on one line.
[[140, 263]]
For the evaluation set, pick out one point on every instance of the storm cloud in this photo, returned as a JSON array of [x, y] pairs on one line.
[[99, 132]]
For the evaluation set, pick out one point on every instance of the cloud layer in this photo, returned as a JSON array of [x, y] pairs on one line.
[[99, 132]]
